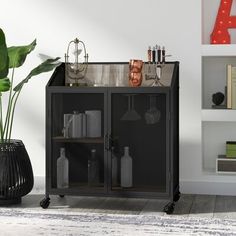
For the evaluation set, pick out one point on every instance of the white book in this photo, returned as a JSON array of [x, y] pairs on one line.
[[233, 87], [229, 86]]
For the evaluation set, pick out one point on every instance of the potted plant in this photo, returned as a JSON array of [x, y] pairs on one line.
[[16, 175]]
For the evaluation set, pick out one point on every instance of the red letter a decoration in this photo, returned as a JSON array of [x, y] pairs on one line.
[[224, 21]]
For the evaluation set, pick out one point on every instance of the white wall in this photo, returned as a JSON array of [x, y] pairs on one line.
[[112, 31]]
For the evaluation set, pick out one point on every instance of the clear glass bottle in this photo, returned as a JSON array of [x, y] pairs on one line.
[[93, 169], [126, 169], [62, 170], [114, 168]]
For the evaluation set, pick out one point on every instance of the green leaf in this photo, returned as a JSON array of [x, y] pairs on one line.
[[46, 66], [4, 84], [18, 54], [4, 60]]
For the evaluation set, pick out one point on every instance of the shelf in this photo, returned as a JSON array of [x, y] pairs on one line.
[[219, 50], [219, 115], [61, 139], [78, 187], [219, 176], [141, 189]]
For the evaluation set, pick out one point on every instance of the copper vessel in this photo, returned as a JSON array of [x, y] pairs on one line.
[[135, 72], [135, 79], [135, 65]]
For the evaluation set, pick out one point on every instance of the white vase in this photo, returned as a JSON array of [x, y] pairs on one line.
[[62, 170], [126, 169]]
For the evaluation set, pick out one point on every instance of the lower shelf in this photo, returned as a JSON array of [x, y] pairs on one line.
[[141, 189], [84, 187]]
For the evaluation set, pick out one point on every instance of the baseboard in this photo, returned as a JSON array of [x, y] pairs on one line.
[[211, 188], [186, 187]]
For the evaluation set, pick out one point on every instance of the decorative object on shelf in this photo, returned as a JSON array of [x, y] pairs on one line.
[[79, 125], [75, 71], [126, 179], [62, 170], [131, 114], [225, 165], [153, 115], [93, 169], [231, 149], [16, 175], [114, 167], [75, 125], [153, 71], [218, 98], [135, 73], [94, 123], [149, 54], [163, 55], [153, 55], [224, 22]]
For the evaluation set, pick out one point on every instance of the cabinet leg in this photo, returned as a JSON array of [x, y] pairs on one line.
[[45, 202], [177, 197], [169, 208]]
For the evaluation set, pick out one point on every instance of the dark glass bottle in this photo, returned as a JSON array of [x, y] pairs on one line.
[[93, 169]]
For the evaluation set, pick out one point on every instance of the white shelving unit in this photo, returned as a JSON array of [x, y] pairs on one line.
[[223, 115], [218, 50], [218, 125]]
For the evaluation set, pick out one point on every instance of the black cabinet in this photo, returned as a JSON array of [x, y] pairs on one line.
[[146, 119]]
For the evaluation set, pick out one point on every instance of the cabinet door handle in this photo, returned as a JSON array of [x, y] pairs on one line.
[[108, 142]]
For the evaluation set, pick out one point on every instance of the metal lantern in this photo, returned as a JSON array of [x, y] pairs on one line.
[[75, 71]]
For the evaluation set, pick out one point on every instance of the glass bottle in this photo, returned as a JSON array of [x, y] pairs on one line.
[[62, 170], [114, 168], [93, 169], [126, 169]]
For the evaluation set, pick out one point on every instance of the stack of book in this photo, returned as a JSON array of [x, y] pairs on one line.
[[227, 163], [231, 87]]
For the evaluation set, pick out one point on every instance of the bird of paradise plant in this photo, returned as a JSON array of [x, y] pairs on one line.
[[10, 59]]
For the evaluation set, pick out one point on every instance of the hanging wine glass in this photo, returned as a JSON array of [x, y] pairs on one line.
[[153, 115], [131, 114]]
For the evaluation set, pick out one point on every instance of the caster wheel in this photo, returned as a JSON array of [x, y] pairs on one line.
[[61, 196], [45, 203], [169, 208], [177, 197]]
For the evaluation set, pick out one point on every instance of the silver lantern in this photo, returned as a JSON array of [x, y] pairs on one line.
[[75, 71]]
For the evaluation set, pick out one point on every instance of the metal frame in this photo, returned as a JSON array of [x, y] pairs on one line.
[[172, 137]]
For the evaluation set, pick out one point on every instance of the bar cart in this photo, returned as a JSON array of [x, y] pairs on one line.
[[145, 119]]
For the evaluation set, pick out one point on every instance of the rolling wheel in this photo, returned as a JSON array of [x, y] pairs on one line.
[[61, 196], [45, 203], [169, 208], [177, 197]]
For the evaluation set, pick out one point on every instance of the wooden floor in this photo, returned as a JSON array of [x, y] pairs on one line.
[[189, 205]]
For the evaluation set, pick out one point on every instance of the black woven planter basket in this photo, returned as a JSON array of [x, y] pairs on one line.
[[16, 175]]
